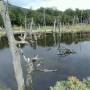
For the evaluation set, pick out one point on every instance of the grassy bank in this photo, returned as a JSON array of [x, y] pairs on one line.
[[64, 29], [77, 28]]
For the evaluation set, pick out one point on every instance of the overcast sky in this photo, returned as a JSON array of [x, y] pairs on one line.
[[59, 4]]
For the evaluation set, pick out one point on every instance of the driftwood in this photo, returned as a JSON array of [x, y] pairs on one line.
[[31, 66], [12, 45]]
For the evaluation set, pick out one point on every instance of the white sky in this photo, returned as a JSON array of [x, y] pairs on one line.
[[59, 4]]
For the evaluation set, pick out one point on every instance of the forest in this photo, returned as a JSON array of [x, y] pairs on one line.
[[69, 16]]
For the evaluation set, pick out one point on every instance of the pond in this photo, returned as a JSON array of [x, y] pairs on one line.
[[54, 55]]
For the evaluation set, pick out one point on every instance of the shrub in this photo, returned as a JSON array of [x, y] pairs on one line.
[[71, 84], [87, 82]]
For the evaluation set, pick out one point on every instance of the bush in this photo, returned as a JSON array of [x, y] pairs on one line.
[[87, 82], [72, 84]]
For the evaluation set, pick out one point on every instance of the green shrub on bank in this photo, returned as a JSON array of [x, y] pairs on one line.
[[87, 82], [72, 84]]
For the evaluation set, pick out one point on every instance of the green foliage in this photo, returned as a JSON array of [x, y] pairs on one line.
[[1, 21], [87, 82], [59, 86], [17, 15], [72, 84]]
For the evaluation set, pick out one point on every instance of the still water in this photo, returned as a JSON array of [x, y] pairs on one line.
[[71, 64]]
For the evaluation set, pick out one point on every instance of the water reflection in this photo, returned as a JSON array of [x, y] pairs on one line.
[[77, 64], [3, 42], [65, 38]]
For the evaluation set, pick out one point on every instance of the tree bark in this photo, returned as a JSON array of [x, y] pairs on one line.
[[12, 45]]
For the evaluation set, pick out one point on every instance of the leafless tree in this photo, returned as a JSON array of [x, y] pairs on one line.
[[12, 45]]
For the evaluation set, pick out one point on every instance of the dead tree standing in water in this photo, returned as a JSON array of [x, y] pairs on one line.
[[54, 32], [12, 45]]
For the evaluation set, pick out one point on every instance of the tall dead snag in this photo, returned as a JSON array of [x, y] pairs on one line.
[[12, 45], [54, 32], [31, 24]]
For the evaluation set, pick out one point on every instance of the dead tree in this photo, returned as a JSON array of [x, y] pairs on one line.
[[28, 26], [12, 45], [44, 18], [60, 32], [32, 65], [54, 32], [29, 69], [31, 24]]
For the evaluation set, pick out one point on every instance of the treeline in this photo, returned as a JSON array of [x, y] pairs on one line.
[[68, 16]]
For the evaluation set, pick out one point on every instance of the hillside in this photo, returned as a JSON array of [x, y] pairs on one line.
[[17, 15]]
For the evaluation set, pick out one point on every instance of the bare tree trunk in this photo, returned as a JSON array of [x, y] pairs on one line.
[[60, 34], [29, 75], [31, 24], [30, 69], [54, 32], [12, 45]]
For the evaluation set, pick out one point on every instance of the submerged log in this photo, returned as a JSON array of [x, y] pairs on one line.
[[12, 45]]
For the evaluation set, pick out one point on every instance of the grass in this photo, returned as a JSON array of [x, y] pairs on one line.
[[64, 29], [77, 28], [1, 34]]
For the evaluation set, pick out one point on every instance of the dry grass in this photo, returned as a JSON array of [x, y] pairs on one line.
[[64, 29]]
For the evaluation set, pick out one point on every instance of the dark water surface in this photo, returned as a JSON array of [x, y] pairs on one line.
[[71, 64]]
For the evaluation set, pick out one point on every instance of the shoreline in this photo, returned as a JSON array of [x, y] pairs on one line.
[[79, 28]]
